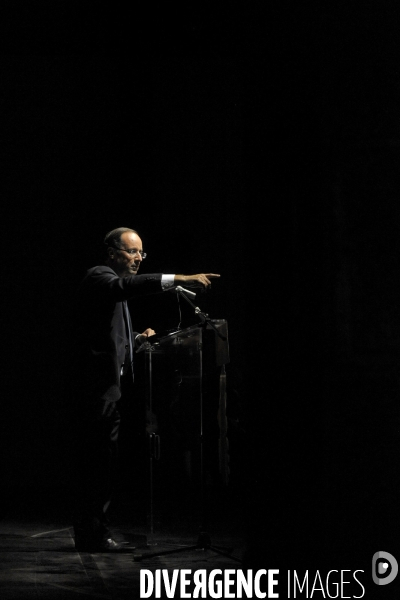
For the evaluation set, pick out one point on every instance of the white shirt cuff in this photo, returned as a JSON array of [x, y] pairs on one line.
[[167, 281]]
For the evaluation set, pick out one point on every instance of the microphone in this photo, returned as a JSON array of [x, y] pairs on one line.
[[188, 292]]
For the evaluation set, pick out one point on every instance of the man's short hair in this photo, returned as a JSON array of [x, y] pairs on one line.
[[113, 237]]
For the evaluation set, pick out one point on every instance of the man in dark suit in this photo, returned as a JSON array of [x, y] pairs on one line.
[[104, 358]]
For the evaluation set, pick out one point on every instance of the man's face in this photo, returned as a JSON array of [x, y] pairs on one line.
[[123, 262]]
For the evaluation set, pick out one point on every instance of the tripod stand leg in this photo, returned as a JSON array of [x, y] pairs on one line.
[[199, 546], [204, 543]]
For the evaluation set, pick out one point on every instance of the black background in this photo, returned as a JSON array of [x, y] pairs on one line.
[[261, 145]]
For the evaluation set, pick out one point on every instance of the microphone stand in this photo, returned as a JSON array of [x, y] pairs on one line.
[[204, 539], [205, 319]]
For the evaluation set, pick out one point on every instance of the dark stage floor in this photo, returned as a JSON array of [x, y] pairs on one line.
[[39, 560]]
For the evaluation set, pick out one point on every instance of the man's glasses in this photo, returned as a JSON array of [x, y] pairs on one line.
[[133, 251]]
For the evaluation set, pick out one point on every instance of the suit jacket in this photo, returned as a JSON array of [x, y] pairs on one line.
[[102, 328]]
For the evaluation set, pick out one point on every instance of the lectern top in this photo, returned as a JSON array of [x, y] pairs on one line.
[[194, 333]]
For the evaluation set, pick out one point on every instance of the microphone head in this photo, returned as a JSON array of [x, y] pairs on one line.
[[180, 289]]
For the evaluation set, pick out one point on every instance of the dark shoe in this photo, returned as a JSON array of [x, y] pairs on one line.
[[108, 545]]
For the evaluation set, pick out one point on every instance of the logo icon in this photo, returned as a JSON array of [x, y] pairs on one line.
[[384, 563]]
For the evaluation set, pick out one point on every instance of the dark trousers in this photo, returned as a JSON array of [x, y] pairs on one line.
[[96, 469]]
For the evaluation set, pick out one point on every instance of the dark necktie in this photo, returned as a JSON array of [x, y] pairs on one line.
[[129, 331]]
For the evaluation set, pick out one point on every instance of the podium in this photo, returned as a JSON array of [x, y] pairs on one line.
[[186, 421]]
